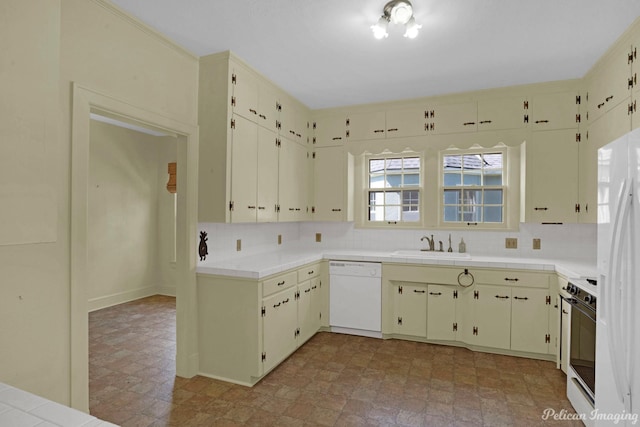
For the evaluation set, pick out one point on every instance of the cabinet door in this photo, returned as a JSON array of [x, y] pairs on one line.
[[244, 166], [554, 111], [609, 86], [454, 118], [245, 93], [330, 184], [279, 326], [530, 320], [366, 126], [551, 175], [410, 302], [490, 317], [403, 123], [601, 132], [330, 130], [502, 113], [441, 313], [292, 185], [565, 328], [316, 304], [306, 315], [267, 107], [267, 181]]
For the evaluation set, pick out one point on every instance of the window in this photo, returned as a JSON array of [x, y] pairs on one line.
[[394, 189], [473, 188]]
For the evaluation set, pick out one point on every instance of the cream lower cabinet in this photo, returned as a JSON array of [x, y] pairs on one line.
[[486, 319], [530, 330], [246, 327], [410, 315], [442, 319]]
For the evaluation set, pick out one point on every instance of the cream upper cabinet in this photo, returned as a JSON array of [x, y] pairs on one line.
[[452, 118], [410, 310], [244, 100], [552, 111], [551, 177], [332, 168], [268, 113], [267, 180], [292, 183], [529, 309], [502, 113], [293, 121], [489, 310], [244, 170], [610, 84], [442, 319], [330, 130], [406, 122], [366, 126]]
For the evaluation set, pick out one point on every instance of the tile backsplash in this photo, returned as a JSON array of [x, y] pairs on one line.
[[566, 241]]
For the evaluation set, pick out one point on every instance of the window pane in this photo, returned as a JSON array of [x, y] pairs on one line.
[[493, 178], [472, 197], [393, 164], [410, 198], [472, 214], [394, 181], [376, 198], [411, 163], [392, 213], [493, 214], [452, 163], [452, 197], [451, 213], [472, 178], [412, 179], [452, 179], [410, 215], [392, 198], [492, 197], [376, 181], [471, 162], [376, 165]]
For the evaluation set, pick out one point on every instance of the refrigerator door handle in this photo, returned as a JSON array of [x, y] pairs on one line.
[[618, 349]]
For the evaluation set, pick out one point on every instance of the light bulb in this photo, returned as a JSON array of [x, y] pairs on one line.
[[412, 29], [401, 13], [380, 28]]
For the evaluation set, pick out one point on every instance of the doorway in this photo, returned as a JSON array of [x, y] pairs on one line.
[[86, 102]]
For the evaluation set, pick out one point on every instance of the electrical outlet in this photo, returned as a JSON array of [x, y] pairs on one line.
[[279, 239], [511, 243], [318, 237], [239, 245], [536, 243]]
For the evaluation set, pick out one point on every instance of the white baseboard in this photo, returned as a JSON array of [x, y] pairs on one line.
[[121, 297], [169, 291]]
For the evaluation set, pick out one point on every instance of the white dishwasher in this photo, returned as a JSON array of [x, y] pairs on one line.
[[355, 295]]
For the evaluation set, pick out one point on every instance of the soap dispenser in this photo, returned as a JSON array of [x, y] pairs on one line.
[[462, 247]]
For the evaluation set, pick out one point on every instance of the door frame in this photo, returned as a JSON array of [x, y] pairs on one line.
[[86, 101]]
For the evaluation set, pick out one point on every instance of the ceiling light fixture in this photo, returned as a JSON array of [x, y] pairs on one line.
[[396, 12]]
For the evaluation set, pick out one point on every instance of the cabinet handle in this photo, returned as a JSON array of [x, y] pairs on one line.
[[281, 283], [285, 301], [600, 105], [564, 311], [485, 121], [525, 298], [251, 207], [253, 111], [608, 98], [336, 138], [262, 116], [310, 272], [336, 210], [502, 297], [418, 292], [292, 209], [435, 293], [511, 280], [542, 121], [292, 132], [276, 305], [392, 130], [468, 123], [314, 287], [306, 291], [540, 209], [378, 131], [261, 208]]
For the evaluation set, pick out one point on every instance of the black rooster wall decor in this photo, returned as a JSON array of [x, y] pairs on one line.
[[202, 248]]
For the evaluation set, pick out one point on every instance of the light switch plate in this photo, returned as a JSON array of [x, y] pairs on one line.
[[239, 245], [536, 243], [511, 243], [318, 237], [279, 239]]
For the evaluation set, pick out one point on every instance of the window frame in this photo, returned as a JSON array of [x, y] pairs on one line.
[[367, 189], [504, 187]]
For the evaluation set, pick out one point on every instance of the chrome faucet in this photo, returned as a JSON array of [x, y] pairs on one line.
[[431, 242]]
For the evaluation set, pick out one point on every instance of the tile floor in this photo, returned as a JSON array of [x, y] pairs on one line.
[[333, 380]]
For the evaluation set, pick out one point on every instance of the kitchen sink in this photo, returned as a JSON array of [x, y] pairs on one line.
[[417, 253]]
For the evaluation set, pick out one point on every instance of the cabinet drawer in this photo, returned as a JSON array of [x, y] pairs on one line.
[[512, 278], [308, 272], [279, 283]]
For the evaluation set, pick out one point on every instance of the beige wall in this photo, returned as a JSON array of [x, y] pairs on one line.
[[130, 215], [49, 44]]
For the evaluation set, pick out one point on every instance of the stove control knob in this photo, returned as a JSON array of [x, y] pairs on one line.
[[572, 289], [590, 299]]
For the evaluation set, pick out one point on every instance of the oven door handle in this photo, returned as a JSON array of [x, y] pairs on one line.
[[575, 305]]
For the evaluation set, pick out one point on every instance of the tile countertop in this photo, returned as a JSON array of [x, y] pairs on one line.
[[19, 408], [259, 266]]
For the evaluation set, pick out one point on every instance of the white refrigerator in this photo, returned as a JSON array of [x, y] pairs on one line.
[[617, 386]]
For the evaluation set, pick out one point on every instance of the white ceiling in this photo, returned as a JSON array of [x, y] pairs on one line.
[[323, 53]]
